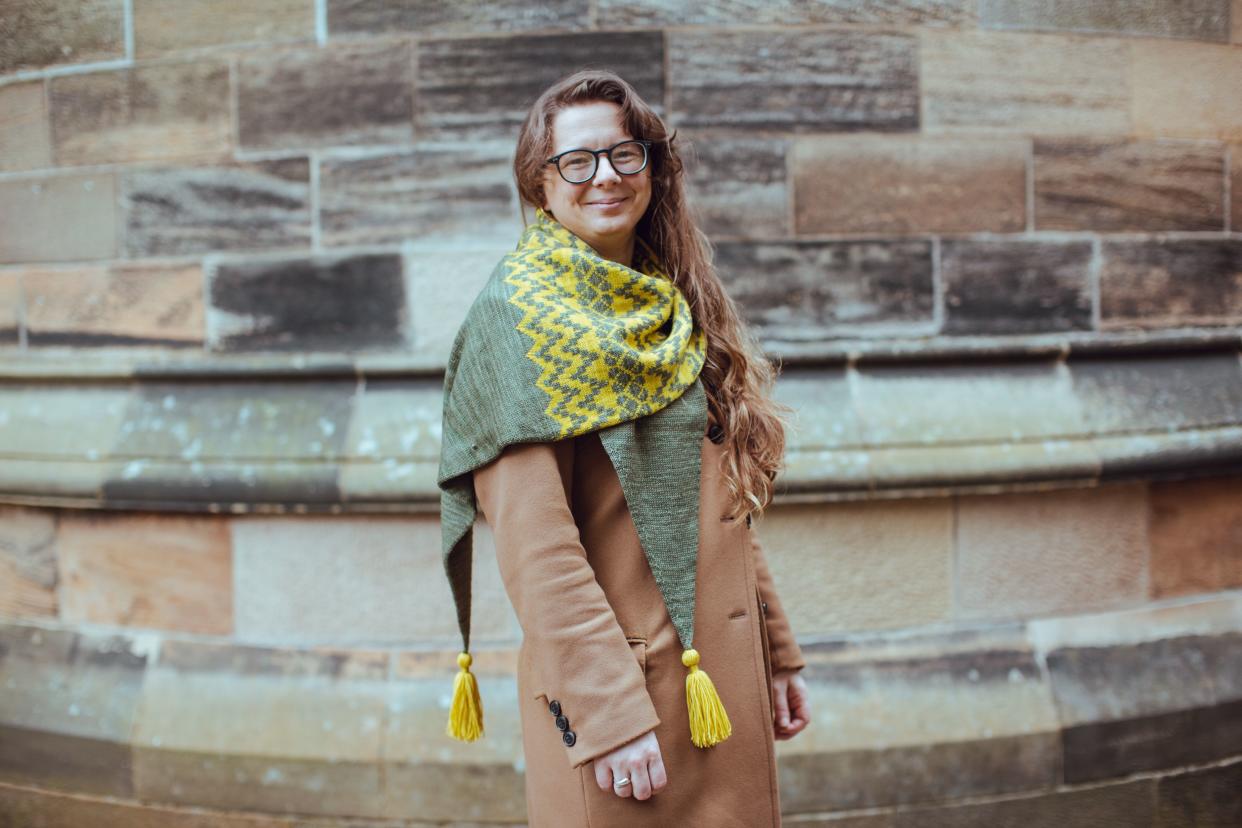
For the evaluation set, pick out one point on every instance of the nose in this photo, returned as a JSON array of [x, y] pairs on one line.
[[604, 171]]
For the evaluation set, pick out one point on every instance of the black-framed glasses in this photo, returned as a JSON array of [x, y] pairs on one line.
[[628, 157]]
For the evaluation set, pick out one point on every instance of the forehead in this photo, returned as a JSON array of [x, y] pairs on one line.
[[593, 125]]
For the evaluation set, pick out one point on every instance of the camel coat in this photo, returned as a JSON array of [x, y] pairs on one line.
[[600, 648]]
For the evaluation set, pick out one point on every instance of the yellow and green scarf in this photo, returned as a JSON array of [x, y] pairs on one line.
[[559, 343]]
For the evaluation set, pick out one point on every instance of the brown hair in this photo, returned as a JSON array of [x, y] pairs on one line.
[[736, 376]]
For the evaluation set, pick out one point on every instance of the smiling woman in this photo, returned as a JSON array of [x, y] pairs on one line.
[[609, 414]]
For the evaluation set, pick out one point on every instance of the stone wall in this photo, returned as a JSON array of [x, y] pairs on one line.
[[997, 246]]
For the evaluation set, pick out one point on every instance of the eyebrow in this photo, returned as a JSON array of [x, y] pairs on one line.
[[613, 144]]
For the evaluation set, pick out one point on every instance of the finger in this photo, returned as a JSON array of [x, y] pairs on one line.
[[782, 709], [655, 770], [603, 776], [642, 783], [624, 790]]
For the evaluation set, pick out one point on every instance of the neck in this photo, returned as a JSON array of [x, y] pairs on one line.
[[622, 253]]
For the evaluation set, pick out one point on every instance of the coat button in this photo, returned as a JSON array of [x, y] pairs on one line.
[[562, 723], [555, 707], [765, 607], [569, 738]]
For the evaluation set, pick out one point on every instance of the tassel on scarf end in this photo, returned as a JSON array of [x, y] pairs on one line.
[[466, 713], [709, 723]]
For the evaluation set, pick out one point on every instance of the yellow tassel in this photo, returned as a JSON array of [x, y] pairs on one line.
[[709, 724], [466, 714]]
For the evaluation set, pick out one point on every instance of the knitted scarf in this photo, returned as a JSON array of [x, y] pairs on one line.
[[559, 343]]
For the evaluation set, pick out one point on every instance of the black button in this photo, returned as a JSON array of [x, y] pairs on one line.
[[765, 607], [715, 434], [555, 707], [569, 738], [562, 723]]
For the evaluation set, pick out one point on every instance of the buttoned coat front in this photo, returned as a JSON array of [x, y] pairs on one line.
[[600, 661]]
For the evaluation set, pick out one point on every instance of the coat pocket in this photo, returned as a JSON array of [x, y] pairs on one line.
[[638, 646], [767, 650]]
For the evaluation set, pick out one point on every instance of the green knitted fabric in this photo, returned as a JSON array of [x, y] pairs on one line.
[[562, 342]]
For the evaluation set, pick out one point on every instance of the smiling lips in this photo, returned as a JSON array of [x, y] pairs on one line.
[[609, 203]]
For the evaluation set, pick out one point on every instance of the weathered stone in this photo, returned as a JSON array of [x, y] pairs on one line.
[[1023, 83], [28, 571], [1235, 168], [1028, 554], [121, 304], [796, 81], [1157, 392], [392, 448], [167, 572], [908, 546], [437, 195], [37, 211], [1124, 185], [1208, 796], [161, 26], [1196, 536], [1151, 283], [186, 210], [40, 33], [443, 284], [739, 185], [637, 13], [144, 113], [10, 307], [1015, 286], [909, 184], [1236, 17], [1196, 19], [1126, 803], [1186, 89], [481, 88], [335, 303], [25, 142], [426, 17], [1146, 706], [829, 450], [809, 291], [359, 93]]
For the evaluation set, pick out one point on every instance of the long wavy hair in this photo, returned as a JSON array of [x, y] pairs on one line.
[[737, 377]]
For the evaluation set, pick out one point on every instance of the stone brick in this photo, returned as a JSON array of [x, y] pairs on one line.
[[1125, 803], [10, 307], [1186, 89], [144, 113], [1196, 536], [50, 419], [1030, 554], [1028, 84], [1236, 17], [1015, 286], [802, 292], [25, 142], [481, 88], [829, 450], [1154, 283], [342, 581], [28, 571], [41, 33], [1235, 172], [739, 185], [638, 13], [1124, 185], [431, 17], [360, 93], [121, 304], [907, 580], [162, 26], [332, 303], [34, 808], [392, 447], [199, 209], [442, 284], [909, 184], [1208, 796], [794, 81], [1197, 19], [439, 195], [166, 572], [37, 211]]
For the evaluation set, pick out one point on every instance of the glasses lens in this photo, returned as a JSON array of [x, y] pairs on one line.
[[577, 166], [629, 157]]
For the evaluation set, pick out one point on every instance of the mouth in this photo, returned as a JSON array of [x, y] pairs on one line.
[[610, 202]]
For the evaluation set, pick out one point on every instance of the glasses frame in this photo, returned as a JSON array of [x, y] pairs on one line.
[[595, 154]]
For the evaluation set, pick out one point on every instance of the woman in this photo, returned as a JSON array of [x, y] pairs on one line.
[[607, 413]]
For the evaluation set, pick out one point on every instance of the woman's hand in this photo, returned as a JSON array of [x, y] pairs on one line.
[[640, 761], [793, 705]]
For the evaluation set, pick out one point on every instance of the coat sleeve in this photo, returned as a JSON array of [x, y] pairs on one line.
[[786, 655], [579, 651]]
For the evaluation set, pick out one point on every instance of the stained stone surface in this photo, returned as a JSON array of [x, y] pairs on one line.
[[28, 571], [188, 210], [359, 93], [144, 113], [40, 33], [1183, 89], [785, 13], [36, 211], [423, 17], [328, 302], [807, 291], [1125, 803], [739, 185], [1196, 536], [161, 26], [1015, 286], [1170, 283], [24, 139], [480, 88], [1126, 185], [1208, 796], [1196, 19], [810, 80], [10, 308]]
